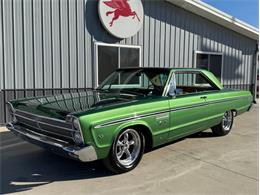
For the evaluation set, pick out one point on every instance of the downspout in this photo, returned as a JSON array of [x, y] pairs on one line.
[[255, 72]]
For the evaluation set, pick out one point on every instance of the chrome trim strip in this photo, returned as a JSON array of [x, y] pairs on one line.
[[130, 118], [60, 127], [12, 128], [46, 136], [39, 116], [226, 100], [47, 131], [188, 107], [160, 112], [202, 104]]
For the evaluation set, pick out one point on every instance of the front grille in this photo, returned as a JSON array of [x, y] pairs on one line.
[[47, 126]]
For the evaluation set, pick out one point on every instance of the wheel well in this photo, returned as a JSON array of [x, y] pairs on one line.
[[147, 136]]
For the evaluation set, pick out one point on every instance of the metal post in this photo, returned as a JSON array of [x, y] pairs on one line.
[[255, 72]]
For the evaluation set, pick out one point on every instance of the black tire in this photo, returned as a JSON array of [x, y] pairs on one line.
[[223, 128], [114, 164]]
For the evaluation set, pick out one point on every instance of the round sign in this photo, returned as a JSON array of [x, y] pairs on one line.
[[122, 18]]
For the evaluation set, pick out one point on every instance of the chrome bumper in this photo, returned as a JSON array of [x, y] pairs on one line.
[[84, 154]]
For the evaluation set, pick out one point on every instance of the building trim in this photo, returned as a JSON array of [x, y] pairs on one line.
[[211, 13]]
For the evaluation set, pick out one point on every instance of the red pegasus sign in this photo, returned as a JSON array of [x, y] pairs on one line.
[[121, 8]]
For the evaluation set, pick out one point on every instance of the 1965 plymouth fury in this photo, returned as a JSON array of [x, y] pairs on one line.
[[132, 110]]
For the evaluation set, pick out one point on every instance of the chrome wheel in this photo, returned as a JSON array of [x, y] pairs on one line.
[[227, 120], [128, 147]]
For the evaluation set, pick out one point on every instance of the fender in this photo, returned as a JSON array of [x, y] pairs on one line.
[[103, 137]]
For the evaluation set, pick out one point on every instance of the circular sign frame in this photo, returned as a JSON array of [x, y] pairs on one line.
[[121, 18]]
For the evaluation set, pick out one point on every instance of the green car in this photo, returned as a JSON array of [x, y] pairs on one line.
[[133, 110]]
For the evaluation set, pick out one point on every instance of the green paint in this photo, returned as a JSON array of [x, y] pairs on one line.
[[166, 118]]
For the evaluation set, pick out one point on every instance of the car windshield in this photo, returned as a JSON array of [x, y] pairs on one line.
[[136, 81]]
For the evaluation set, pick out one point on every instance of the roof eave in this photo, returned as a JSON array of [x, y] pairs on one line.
[[200, 8]]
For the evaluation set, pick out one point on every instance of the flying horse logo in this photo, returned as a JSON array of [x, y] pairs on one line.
[[122, 8]]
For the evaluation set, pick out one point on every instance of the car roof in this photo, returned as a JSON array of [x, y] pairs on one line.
[[205, 72], [143, 68], [162, 68]]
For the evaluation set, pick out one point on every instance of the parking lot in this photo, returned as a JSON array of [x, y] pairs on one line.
[[199, 164]]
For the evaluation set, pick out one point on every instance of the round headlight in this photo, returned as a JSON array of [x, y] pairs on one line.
[[77, 138]]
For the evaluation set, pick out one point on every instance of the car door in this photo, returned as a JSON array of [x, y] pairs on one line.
[[218, 103], [189, 110]]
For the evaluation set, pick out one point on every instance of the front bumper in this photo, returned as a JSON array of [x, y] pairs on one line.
[[84, 154]]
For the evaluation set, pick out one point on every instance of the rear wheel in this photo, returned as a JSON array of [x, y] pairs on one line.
[[225, 126], [126, 152]]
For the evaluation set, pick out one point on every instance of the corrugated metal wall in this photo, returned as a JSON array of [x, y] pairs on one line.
[[47, 46]]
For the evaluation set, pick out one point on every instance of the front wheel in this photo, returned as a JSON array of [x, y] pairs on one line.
[[225, 126], [126, 152]]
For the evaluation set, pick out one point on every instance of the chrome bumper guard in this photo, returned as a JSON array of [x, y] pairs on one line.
[[84, 154]]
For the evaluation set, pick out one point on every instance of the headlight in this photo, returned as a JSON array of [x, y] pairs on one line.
[[77, 136]]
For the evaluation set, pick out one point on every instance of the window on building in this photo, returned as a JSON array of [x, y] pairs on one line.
[[210, 61], [111, 57]]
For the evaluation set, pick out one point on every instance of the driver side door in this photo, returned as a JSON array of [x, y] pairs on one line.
[[189, 109]]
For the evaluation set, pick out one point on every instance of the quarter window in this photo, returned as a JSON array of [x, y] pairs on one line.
[[210, 61], [111, 57]]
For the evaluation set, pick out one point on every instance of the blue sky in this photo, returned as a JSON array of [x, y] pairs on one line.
[[245, 10]]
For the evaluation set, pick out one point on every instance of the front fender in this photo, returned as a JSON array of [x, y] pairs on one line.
[[103, 137], [132, 123]]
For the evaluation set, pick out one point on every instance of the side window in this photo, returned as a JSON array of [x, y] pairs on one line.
[[187, 83]]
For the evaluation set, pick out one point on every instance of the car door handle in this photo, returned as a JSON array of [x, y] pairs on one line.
[[203, 97]]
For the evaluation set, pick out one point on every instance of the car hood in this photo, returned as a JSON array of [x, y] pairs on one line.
[[59, 106]]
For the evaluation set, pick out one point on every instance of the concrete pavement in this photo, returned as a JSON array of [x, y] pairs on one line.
[[199, 164]]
